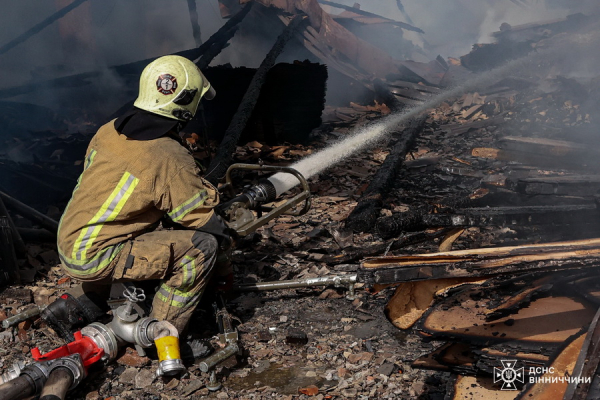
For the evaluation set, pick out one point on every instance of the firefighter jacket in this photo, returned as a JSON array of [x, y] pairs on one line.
[[126, 187]]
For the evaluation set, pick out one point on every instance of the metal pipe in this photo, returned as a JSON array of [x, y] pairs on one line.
[[59, 381], [221, 355], [22, 316], [337, 280], [18, 388]]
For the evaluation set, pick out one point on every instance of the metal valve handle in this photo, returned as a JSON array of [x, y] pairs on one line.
[[133, 295]]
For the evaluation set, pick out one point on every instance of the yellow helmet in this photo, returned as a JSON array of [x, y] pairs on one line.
[[172, 86]]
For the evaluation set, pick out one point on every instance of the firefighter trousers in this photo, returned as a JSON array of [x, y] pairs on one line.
[[182, 260]]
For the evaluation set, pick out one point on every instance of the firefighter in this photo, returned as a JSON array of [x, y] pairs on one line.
[[137, 173]]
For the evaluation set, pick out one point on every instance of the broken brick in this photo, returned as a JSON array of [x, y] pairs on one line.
[[132, 359]]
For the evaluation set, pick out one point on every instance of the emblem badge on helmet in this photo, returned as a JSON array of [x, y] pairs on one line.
[[166, 84]]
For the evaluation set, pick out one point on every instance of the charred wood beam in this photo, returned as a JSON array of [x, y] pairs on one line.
[[16, 237], [352, 255], [543, 152], [527, 32], [224, 156], [587, 363], [403, 11], [486, 216], [39, 27], [194, 21], [501, 216], [364, 216], [581, 185], [573, 255], [29, 212], [9, 269], [551, 147], [219, 39], [402, 25]]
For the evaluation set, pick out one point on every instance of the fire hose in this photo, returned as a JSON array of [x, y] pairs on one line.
[[51, 379], [58, 383], [17, 389]]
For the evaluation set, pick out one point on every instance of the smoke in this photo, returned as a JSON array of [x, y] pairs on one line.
[[96, 34], [575, 49], [105, 33], [453, 26]]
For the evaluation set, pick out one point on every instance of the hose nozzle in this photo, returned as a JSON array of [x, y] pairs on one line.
[[252, 197]]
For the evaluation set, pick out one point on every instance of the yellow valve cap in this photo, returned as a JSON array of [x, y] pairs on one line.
[[168, 348]]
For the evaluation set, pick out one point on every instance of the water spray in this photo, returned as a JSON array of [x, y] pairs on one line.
[[371, 133], [244, 212]]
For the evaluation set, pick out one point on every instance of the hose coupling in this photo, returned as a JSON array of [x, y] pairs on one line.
[[73, 363], [104, 338], [38, 372], [170, 367], [13, 372], [169, 356], [143, 332]]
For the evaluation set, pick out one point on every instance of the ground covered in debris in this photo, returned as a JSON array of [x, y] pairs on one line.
[[313, 341]]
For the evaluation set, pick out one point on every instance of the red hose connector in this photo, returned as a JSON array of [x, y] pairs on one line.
[[82, 345]]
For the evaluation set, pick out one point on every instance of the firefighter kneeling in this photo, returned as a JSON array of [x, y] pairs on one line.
[[137, 173]]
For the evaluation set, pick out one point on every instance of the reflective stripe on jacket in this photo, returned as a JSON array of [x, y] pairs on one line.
[[126, 187]]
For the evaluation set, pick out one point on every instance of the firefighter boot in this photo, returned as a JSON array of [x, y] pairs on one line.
[[70, 313]]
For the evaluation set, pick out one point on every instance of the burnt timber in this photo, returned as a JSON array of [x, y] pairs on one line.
[[558, 256], [365, 214], [223, 159]]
